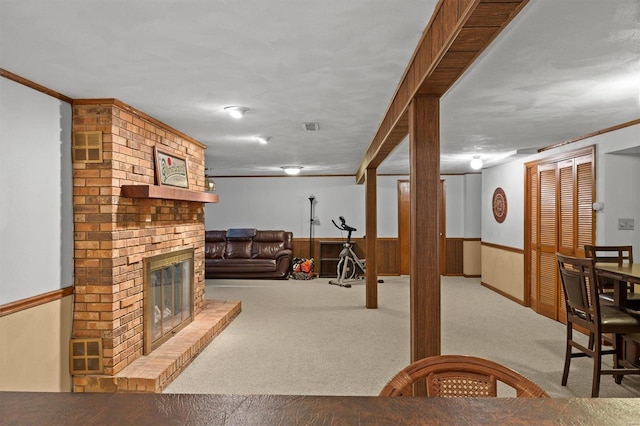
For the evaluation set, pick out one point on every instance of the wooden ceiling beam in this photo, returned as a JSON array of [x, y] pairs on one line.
[[457, 33]]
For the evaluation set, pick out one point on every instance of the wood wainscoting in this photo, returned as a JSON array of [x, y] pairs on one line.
[[462, 254], [462, 257], [503, 271], [472, 257], [387, 249], [454, 264]]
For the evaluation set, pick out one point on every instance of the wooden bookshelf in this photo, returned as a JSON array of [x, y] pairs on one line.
[[329, 257]]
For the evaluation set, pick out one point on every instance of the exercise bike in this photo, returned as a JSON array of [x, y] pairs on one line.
[[349, 261]]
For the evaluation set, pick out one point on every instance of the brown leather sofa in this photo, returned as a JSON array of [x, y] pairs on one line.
[[247, 253]]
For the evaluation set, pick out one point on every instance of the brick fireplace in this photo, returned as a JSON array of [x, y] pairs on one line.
[[114, 233]]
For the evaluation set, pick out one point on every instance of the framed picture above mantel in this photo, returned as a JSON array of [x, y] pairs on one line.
[[171, 169]]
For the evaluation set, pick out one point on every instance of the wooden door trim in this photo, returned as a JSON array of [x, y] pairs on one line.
[[403, 256], [443, 227], [371, 229], [556, 158], [527, 235]]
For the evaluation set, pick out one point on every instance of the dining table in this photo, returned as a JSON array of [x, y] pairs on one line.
[[621, 275], [65, 408]]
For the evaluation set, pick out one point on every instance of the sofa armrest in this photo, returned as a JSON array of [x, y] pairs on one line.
[[284, 252], [283, 263]]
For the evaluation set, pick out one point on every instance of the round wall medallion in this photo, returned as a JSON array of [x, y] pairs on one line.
[[499, 205]]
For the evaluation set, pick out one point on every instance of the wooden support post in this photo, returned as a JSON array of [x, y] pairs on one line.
[[371, 233], [424, 158]]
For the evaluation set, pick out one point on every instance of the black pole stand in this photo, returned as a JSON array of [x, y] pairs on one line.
[[311, 199]]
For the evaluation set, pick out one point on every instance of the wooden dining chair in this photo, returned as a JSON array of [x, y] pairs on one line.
[[610, 254], [580, 288], [619, 255], [459, 376]]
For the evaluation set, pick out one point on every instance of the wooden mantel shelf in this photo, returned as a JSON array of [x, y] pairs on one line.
[[167, 193]]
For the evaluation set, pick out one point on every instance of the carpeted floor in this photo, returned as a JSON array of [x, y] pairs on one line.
[[312, 338]]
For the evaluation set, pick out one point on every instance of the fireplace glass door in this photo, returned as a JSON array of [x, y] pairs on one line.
[[168, 296]]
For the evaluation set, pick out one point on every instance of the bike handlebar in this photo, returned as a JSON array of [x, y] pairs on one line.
[[343, 225]]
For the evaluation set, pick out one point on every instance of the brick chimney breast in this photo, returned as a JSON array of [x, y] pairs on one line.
[[113, 234]]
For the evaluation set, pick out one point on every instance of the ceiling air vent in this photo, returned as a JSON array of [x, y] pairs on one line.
[[311, 126]]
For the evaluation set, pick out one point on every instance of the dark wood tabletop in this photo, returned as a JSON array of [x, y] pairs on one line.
[[28, 408], [626, 272], [621, 275]]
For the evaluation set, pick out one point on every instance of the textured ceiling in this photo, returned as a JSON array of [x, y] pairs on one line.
[[562, 69]]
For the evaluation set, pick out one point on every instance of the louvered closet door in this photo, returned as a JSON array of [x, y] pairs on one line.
[[566, 224], [576, 212], [561, 220], [585, 182], [532, 175], [567, 218], [547, 231]]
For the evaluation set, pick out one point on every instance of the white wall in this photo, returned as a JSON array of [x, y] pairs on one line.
[[36, 219], [463, 200], [36, 238], [387, 205], [455, 203], [283, 203], [473, 205], [617, 185], [509, 177]]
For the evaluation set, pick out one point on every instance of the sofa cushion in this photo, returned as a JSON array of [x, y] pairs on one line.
[[238, 249], [215, 236], [266, 244], [215, 250], [243, 233], [215, 244], [266, 250], [269, 236]]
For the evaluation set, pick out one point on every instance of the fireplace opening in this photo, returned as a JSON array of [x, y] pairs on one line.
[[168, 296]]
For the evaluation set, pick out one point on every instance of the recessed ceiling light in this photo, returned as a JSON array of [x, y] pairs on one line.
[[263, 139], [291, 170], [236, 111]]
